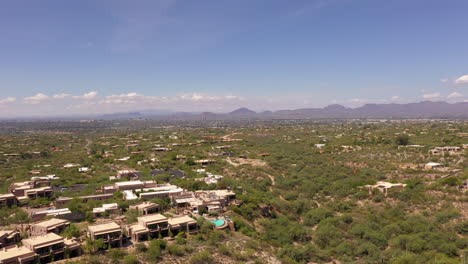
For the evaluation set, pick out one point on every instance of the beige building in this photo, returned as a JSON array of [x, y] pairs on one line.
[[30, 190], [212, 201], [182, 224], [110, 233], [384, 186], [53, 225], [52, 247], [8, 199], [145, 208], [446, 150], [17, 255], [160, 191], [433, 165], [62, 201], [157, 225], [153, 226], [9, 238]]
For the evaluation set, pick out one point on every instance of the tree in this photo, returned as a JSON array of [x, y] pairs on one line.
[[130, 259], [92, 246], [203, 257], [402, 140], [71, 231]]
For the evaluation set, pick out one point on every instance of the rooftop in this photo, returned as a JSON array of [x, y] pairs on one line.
[[152, 218], [8, 253], [104, 228], [52, 222], [54, 212], [127, 183], [43, 240], [181, 220]]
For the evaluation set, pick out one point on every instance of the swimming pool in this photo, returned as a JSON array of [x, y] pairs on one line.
[[218, 222]]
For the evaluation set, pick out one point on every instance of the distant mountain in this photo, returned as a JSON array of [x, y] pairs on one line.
[[121, 116], [425, 109], [242, 112]]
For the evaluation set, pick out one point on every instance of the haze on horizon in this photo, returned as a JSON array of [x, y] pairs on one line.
[[103, 56]]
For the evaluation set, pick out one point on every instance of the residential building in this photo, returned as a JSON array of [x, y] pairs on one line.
[[384, 186], [63, 212], [9, 238], [110, 233], [62, 201], [30, 190], [17, 255], [145, 208], [96, 197], [53, 225], [112, 208], [8, 199], [157, 224], [51, 247], [212, 201], [433, 165], [127, 185], [446, 150], [161, 191], [204, 162], [182, 224], [128, 174]]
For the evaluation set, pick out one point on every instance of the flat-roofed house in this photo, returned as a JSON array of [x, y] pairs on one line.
[[8, 199], [112, 208], [161, 191], [138, 233], [29, 190], [213, 200], [129, 185], [145, 208], [62, 201], [53, 225], [433, 165], [110, 233], [182, 224], [97, 197], [17, 255], [128, 174], [384, 186], [51, 247], [450, 150], [157, 224], [45, 191], [9, 238], [63, 212]]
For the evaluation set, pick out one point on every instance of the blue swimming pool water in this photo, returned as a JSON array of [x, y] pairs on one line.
[[218, 222]]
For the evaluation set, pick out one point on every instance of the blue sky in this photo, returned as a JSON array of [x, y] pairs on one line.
[[71, 57]]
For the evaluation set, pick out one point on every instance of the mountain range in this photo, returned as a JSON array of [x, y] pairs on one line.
[[425, 109]]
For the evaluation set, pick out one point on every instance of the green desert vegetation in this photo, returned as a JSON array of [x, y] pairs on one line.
[[298, 202]]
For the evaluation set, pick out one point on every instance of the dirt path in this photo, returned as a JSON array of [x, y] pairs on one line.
[[88, 144], [273, 183]]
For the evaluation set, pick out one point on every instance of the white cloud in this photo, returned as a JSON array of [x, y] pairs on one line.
[[87, 96], [431, 96], [396, 97], [38, 98], [7, 100], [61, 96], [455, 95], [444, 80], [357, 100], [462, 79]]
